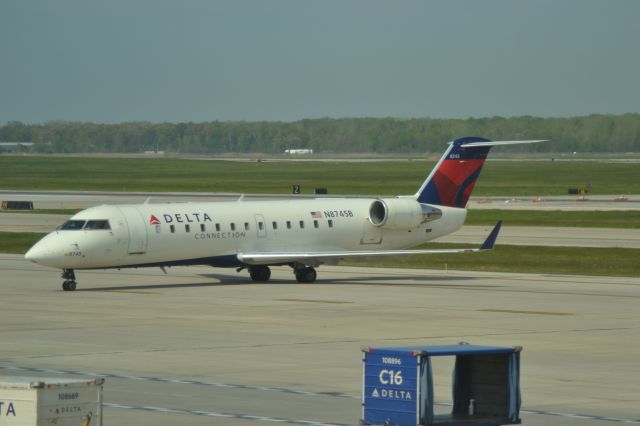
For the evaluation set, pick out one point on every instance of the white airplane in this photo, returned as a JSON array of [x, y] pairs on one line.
[[301, 233]]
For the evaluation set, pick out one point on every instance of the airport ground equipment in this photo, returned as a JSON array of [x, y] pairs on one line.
[[398, 387], [36, 401], [581, 190], [17, 205]]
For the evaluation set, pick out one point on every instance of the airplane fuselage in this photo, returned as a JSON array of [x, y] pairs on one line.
[[301, 233], [214, 233]]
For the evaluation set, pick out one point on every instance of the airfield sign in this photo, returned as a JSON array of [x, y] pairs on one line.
[[390, 394]]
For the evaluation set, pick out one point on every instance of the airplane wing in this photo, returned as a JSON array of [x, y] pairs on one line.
[[317, 257]]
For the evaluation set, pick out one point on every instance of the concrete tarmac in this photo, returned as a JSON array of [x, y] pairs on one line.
[[208, 346], [85, 199], [31, 222]]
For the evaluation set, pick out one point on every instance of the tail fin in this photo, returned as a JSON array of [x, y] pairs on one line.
[[452, 180]]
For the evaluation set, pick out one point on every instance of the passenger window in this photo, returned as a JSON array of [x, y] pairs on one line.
[[315, 223], [172, 228], [275, 225], [72, 225], [217, 227], [97, 224], [330, 223], [288, 224], [260, 226], [302, 224], [202, 227], [187, 228], [246, 226], [233, 226]]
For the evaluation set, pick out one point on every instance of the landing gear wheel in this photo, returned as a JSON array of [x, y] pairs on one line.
[[69, 285], [260, 273], [306, 275]]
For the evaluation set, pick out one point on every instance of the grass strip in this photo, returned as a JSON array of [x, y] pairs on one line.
[[533, 259], [498, 178], [18, 242], [581, 219], [504, 258]]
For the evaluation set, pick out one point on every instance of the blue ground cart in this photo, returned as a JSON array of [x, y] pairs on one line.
[[398, 386]]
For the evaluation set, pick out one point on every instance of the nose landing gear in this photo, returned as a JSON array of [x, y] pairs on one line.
[[69, 283]]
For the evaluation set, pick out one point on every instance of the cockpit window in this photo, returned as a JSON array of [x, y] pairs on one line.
[[97, 224], [72, 225]]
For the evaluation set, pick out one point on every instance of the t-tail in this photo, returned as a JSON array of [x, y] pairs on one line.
[[453, 178]]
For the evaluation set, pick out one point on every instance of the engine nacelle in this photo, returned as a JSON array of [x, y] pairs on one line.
[[396, 213]]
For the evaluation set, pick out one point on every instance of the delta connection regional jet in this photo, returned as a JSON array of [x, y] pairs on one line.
[[255, 235]]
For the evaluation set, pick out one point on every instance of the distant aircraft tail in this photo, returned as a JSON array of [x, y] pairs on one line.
[[451, 181]]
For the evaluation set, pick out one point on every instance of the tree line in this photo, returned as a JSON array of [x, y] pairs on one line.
[[593, 133]]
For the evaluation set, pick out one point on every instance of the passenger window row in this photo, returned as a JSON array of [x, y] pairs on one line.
[[247, 227]]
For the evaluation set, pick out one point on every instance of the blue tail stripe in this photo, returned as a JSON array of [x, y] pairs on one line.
[[430, 194], [469, 181]]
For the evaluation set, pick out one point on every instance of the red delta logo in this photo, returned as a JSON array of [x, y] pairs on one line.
[[181, 218]]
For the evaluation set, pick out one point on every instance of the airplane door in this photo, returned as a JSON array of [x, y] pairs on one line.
[[137, 229], [371, 234], [261, 225]]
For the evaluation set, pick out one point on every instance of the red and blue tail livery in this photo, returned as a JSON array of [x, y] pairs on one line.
[[452, 180]]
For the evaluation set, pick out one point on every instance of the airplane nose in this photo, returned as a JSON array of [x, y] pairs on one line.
[[38, 252]]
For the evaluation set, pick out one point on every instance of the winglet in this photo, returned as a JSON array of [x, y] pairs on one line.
[[491, 239]]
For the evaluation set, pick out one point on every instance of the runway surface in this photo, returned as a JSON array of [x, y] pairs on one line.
[[473, 235], [84, 199], [208, 346]]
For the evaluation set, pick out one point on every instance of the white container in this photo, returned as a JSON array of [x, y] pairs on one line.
[[37, 401]]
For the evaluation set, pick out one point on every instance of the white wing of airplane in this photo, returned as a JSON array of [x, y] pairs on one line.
[[258, 258]]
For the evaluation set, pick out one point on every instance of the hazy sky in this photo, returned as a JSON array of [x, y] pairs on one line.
[[160, 60]]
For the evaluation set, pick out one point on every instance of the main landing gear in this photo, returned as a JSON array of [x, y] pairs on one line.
[[262, 273], [69, 283], [305, 274]]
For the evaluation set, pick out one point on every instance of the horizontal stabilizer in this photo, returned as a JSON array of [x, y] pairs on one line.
[[452, 180], [500, 143]]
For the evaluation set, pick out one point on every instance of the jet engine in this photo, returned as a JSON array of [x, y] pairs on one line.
[[397, 213]]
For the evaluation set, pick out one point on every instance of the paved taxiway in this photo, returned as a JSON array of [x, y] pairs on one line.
[[208, 346], [84, 199]]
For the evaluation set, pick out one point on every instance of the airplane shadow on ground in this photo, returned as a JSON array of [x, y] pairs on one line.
[[322, 280], [231, 280], [125, 287], [417, 281]]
